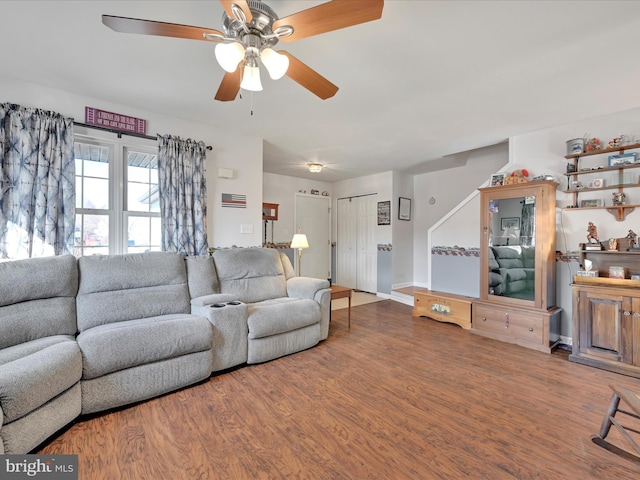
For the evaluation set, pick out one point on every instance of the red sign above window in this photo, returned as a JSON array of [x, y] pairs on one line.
[[116, 121]]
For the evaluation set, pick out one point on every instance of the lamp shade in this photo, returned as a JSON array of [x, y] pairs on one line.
[[229, 55], [276, 63], [251, 79], [299, 241]]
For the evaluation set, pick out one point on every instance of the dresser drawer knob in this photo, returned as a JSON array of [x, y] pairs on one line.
[[484, 319], [531, 329], [626, 313]]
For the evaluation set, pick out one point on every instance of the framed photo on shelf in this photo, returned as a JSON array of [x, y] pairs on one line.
[[404, 209], [497, 180], [510, 222], [590, 203], [623, 159]]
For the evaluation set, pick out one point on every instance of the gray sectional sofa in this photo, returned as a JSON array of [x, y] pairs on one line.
[[83, 336]]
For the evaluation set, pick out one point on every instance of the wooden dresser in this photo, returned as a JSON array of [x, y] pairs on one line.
[[444, 307]]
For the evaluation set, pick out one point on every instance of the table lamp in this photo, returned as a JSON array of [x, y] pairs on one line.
[[299, 241]]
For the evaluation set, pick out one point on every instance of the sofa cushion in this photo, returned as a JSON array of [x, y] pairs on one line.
[[117, 346], [36, 278], [23, 322], [529, 257], [514, 274], [272, 317], [493, 264], [251, 274], [39, 371], [118, 288], [508, 257], [37, 299], [201, 276]]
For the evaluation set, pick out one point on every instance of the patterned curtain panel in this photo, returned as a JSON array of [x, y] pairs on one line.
[[528, 224], [37, 190], [183, 195]]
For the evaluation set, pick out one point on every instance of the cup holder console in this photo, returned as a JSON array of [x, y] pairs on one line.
[[220, 305]]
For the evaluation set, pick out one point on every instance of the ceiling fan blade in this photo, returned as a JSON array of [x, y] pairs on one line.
[[230, 86], [244, 6], [150, 27], [330, 16], [309, 78]]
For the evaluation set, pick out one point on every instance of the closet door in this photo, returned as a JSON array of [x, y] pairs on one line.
[[367, 246], [357, 249], [347, 247]]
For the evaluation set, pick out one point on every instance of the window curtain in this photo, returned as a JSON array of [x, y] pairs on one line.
[[183, 195], [528, 225], [37, 191]]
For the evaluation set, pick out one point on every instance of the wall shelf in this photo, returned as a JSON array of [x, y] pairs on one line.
[[619, 212], [603, 150]]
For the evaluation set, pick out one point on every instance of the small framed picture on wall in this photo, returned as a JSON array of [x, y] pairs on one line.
[[404, 209], [384, 213]]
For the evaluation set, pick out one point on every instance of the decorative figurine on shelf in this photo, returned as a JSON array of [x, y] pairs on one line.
[[633, 239], [593, 145], [619, 198], [615, 143], [592, 233], [517, 176]]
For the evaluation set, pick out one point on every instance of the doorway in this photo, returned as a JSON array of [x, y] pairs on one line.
[[313, 218]]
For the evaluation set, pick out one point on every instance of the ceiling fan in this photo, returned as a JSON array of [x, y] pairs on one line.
[[251, 30]]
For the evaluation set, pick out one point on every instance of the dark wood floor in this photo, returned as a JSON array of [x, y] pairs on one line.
[[395, 398]]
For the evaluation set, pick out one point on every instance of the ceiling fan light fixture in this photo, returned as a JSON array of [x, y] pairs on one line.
[[229, 55], [276, 63], [314, 167], [251, 79]]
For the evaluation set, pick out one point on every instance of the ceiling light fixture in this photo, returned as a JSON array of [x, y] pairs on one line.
[[314, 167], [248, 45]]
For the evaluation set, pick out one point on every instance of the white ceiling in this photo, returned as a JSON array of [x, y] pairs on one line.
[[428, 80]]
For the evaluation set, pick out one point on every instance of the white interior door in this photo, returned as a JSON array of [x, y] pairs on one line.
[[313, 218], [367, 276], [357, 249], [346, 261]]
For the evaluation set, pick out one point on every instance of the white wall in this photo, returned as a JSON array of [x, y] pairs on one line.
[[449, 188], [230, 150], [402, 232], [281, 189]]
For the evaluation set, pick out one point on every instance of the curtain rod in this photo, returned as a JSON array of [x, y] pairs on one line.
[[120, 133]]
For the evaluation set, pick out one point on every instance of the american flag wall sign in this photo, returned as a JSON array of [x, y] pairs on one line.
[[233, 200]]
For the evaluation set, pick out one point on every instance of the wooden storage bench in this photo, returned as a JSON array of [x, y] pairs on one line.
[[444, 307]]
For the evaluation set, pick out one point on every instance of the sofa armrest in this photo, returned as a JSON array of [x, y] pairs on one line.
[[305, 287], [207, 300]]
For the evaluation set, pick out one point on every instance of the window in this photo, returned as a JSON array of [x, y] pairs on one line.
[[117, 203], [142, 210]]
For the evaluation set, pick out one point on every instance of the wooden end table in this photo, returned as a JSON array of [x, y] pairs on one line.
[[342, 292]]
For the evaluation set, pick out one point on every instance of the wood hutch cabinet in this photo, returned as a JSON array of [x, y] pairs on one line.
[[606, 315], [517, 264]]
